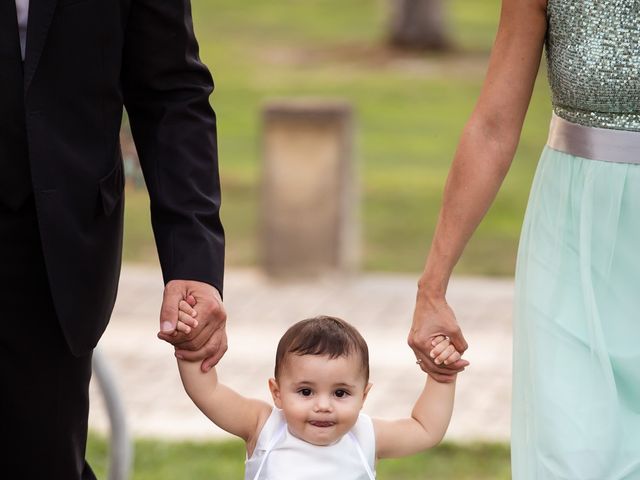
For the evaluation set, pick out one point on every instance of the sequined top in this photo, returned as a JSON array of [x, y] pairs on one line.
[[593, 56]]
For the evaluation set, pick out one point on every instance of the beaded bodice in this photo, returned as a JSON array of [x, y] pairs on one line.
[[593, 56]]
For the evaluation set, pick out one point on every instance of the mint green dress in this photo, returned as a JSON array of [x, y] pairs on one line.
[[576, 379]]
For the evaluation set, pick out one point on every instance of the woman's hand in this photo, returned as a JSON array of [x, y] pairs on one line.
[[433, 318]]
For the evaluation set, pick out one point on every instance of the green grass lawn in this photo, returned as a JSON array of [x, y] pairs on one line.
[[410, 111], [155, 460]]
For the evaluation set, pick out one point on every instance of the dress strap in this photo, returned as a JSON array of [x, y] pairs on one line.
[[275, 439], [365, 463]]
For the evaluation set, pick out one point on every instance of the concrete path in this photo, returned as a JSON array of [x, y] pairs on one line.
[[259, 310]]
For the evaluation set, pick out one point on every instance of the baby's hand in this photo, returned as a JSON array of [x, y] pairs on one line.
[[186, 318], [443, 351]]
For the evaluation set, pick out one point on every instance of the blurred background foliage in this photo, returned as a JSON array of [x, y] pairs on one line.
[[410, 110]]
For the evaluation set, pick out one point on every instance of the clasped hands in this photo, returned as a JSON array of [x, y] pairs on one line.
[[436, 339], [201, 337]]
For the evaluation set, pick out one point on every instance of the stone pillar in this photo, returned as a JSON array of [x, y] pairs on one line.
[[309, 202], [418, 25]]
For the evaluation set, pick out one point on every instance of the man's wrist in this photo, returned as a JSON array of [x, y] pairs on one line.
[[184, 285]]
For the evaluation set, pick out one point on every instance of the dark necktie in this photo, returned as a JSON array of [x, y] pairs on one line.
[[15, 179]]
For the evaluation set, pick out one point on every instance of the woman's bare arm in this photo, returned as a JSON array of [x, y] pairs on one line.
[[482, 159]]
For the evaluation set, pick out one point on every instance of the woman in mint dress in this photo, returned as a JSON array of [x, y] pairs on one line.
[[576, 376]]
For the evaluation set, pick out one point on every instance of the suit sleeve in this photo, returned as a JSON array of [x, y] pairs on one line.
[[166, 93]]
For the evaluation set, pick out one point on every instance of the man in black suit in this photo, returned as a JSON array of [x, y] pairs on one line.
[[67, 67]]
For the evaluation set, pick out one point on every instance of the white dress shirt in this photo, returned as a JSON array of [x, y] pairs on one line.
[[22, 6]]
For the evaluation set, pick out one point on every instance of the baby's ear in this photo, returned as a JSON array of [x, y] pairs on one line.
[[275, 392], [366, 391]]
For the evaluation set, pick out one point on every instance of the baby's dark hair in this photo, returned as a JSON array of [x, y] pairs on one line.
[[323, 335]]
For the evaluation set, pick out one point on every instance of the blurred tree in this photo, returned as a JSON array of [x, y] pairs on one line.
[[418, 25]]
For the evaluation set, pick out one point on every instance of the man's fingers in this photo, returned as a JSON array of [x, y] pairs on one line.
[[198, 336], [209, 363], [172, 337], [169, 310], [168, 316], [197, 339], [199, 347], [203, 339], [215, 309], [179, 337], [213, 349]]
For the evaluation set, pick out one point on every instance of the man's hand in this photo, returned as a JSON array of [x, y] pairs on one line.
[[208, 340], [431, 319]]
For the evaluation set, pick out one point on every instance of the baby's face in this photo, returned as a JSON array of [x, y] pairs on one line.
[[320, 397]]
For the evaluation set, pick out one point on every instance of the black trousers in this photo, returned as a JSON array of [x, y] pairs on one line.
[[44, 399]]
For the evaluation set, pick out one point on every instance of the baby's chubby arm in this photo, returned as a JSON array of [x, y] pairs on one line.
[[226, 408], [429, 419]]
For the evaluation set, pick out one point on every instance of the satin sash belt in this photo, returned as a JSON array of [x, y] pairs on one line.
[[608, 145]]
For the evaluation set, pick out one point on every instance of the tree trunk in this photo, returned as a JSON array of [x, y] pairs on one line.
[[418, 25]]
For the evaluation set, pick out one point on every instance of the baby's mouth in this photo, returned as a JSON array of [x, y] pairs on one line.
[[322, 424]]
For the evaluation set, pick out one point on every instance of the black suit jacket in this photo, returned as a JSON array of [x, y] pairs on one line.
[[85, 59]]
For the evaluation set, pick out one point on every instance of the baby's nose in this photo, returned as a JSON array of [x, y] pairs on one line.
[[323, 403]]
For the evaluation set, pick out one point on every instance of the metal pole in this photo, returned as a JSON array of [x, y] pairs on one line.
[[121, 447]]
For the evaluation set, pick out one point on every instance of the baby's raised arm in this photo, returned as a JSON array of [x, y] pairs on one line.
[[229, 410], [430, 416]]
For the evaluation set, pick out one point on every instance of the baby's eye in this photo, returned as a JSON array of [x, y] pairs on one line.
[[305, 392], [341, 393]]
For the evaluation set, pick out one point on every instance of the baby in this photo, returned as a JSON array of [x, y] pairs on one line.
[[316, 430]]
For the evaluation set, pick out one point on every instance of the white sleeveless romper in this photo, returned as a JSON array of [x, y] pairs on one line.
[[278, 455]]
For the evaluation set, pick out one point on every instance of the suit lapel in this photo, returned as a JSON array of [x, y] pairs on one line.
[[40, 15]]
